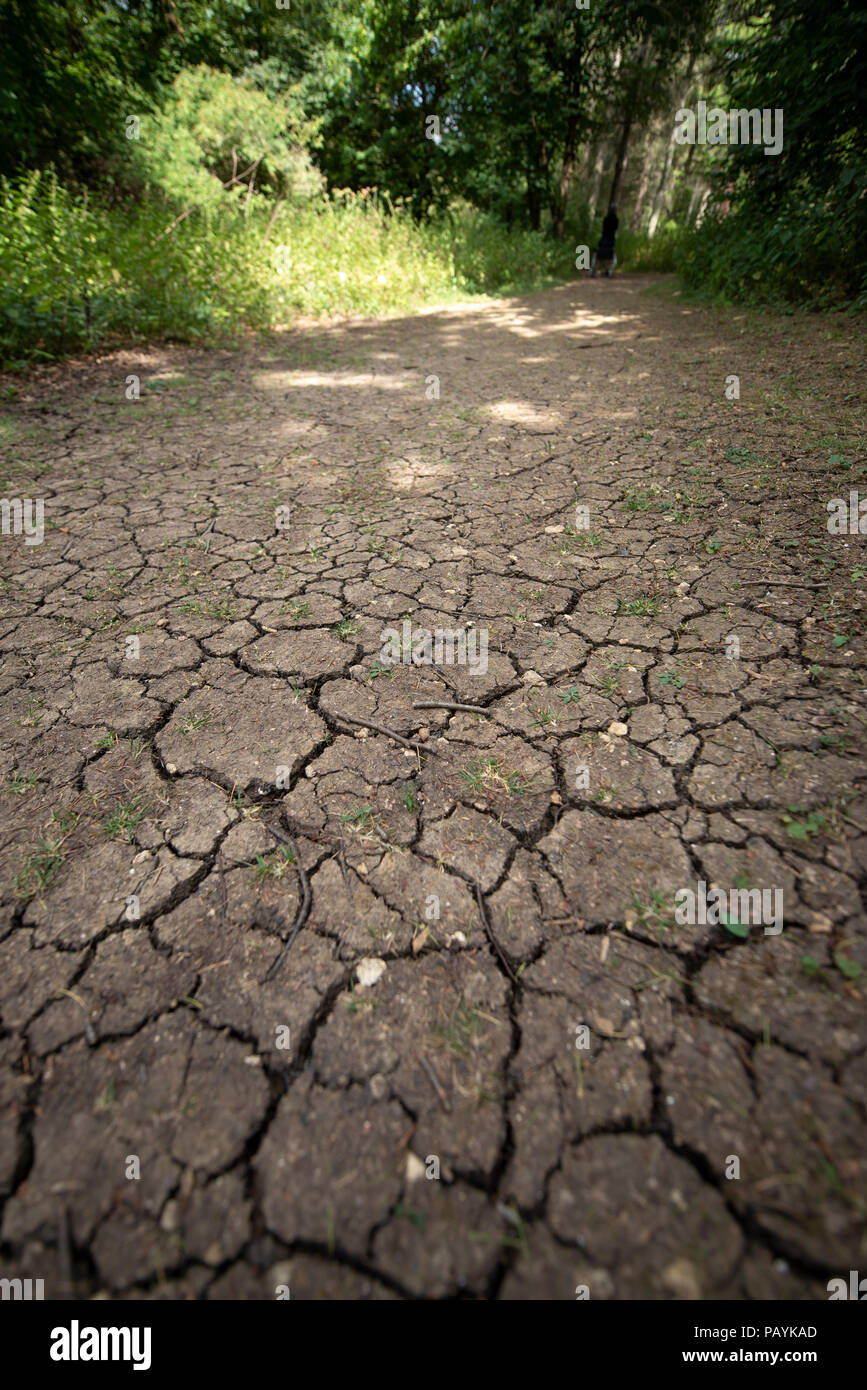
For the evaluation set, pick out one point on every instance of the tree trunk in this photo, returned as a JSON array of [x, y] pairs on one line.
[[661, 194], [602, 149], [567, 171], [534, 202], [538, 182], [643, 183], [633, 89], [567, 168], [598, 170], [620, 161]]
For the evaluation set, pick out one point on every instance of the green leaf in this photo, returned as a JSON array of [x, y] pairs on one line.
[[738, 929], [850, 969], [797, 830]]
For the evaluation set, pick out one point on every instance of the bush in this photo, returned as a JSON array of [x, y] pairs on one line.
[[490, 259], [76, 273], [806, 249], [211, 128], [635, 251]]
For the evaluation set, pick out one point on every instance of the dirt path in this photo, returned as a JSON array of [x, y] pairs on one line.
[[182, 685]]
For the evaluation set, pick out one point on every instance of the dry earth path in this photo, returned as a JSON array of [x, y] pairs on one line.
[[486, 979]]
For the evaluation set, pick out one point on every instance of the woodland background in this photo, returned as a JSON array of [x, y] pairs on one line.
[[189, 170]]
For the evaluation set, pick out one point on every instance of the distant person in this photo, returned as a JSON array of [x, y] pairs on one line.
[[605, 252]]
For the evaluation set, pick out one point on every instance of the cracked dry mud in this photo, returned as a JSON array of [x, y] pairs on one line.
[[175, 778]]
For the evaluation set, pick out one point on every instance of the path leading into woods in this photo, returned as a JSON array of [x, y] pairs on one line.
[[469, 903]]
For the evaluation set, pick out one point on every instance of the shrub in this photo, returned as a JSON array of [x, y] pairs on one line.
[[76, 273]]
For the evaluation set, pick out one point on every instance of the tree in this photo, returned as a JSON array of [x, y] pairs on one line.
[[792, 223]]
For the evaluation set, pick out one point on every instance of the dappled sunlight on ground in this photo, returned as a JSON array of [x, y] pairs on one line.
[[561, 479]]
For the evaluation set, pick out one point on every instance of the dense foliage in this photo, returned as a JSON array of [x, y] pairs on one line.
[[793, 225], [188, 167]]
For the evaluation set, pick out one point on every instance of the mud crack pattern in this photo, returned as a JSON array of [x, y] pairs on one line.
[[156, 792]]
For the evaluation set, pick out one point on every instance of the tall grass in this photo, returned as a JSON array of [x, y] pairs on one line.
[[489, 259], [636, 252], [76, 273]]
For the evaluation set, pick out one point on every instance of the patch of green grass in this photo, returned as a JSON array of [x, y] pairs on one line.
[[418, 1218], [644, 606], [611, 681], [460, 1031], [296, 610], [656, 913], [39, 868], [380, 669], [191, 722], [125, 818], [108, 1097], [346, 628], [544, 717], [487, 774], [359, 816], [735, 927], [805, 825], [571, 696], [641, 499], [742, 457], [410, 796], [221, 609], [518, 1241], [606, 793], [837, 742], [19, 783], [34, 713], [851, 970], [41, 865], [274, 865], [672, 678], [572, 540], [361, 1002]]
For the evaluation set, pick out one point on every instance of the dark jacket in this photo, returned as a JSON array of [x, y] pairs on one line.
[[610, 223]]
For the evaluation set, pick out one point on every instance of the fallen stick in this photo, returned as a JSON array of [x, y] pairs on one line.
[[490, 934], [769, 680], [779, 583], [447, 704], [306, 900], [435, 1082], [389, 733]]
